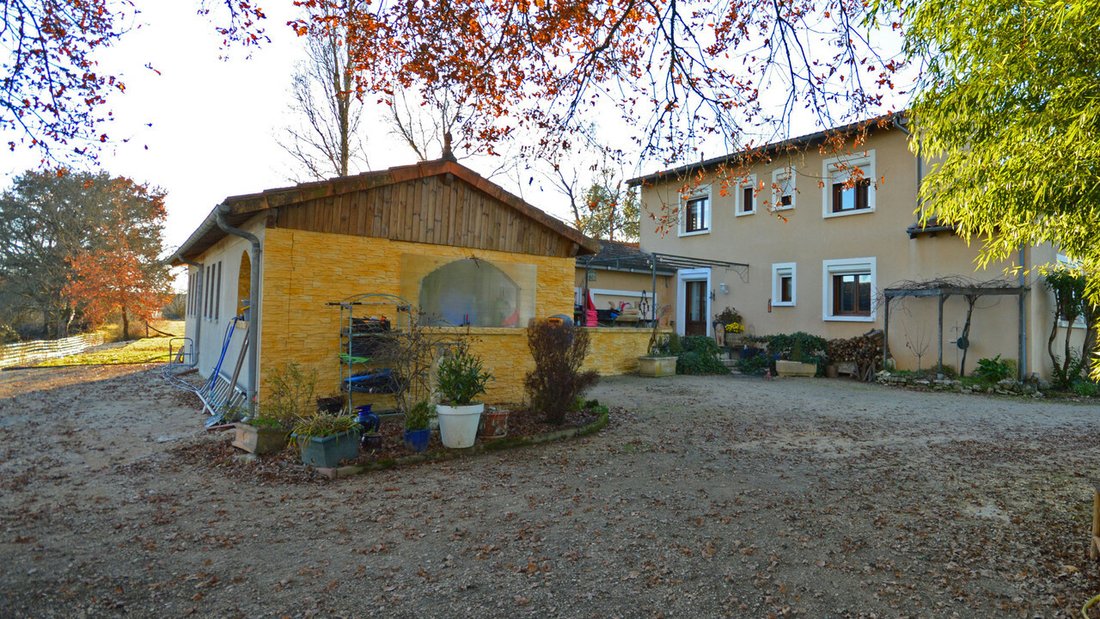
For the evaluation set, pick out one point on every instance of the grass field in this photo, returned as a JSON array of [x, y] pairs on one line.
[[144, 350]]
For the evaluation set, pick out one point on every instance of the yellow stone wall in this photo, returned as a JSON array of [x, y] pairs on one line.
[[611, 351], [302, 271], [616, 350]]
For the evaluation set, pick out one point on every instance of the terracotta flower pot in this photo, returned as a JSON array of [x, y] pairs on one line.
[[494, 424]]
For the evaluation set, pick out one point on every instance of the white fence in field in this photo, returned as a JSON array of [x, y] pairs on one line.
[[26, 353]]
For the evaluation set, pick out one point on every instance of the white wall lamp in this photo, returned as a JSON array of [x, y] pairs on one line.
[[723, 288]]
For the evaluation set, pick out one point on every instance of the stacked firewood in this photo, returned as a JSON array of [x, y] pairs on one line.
[[863, 350]]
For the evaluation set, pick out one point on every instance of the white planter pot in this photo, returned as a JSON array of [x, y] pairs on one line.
[[458, 424], [657, 366], [794, 368]]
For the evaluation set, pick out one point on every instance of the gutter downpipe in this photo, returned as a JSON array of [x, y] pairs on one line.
[[176, 257], [253, 300], [920, 163]]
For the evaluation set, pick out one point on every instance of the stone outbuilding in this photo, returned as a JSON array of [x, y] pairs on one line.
[[265, 268]]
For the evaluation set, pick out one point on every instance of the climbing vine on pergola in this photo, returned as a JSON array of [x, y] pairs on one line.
[[943, 288]]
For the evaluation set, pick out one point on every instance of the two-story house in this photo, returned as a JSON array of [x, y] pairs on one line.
[[827, 228]]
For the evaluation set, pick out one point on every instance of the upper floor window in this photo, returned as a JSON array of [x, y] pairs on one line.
[[746, 196], [783, 188], [695, 215], [849, 185]]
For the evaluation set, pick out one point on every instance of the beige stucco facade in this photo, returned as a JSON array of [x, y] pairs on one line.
[[810, 244]]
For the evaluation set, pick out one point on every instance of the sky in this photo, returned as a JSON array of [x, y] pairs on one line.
[[206, 127]]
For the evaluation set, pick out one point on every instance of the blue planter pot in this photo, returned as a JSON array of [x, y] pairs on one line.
[[328, 451], [417, 440]]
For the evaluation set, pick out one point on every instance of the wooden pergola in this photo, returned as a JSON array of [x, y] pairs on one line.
[[943, 290]]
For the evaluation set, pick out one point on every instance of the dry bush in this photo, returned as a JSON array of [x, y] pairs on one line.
[[557, 381]]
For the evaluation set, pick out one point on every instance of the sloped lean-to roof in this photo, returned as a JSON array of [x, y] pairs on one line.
[[363, 205]]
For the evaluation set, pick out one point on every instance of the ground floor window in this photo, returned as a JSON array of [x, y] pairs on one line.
[[783, 284], [852, 294], [848, 291]]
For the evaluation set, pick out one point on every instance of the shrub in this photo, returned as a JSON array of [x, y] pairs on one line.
[[993, 370], [947, 370], [666, 345], [289, 395], [8, 334], [1086, 388], [418, 416], [798, 346], [699, 356], [753, 365], [557, 380]]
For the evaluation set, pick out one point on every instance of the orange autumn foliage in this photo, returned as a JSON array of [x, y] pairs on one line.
[[106, 280], [678, 71]]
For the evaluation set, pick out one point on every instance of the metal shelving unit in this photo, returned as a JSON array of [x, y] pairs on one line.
[[369, 324]]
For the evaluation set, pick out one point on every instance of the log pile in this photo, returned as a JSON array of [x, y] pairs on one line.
[[863, 350]]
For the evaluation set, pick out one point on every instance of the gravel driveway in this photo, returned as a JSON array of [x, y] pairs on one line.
[[705, 497]]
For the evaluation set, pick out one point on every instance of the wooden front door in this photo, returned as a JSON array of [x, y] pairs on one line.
[[695, 308]]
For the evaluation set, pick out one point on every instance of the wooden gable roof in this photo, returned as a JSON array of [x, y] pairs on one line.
[[438, 202]]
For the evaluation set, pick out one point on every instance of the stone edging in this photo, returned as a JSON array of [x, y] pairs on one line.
[[479, 449], [1005, 387]]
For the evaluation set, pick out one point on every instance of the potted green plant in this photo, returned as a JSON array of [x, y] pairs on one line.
[[260, 435], [462, 378], [326, 440], [417, 430], [660, 359], [797, 353], [287, 398], [722, 320]]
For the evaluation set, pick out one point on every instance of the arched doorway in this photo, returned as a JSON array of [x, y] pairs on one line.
[[244, 285]]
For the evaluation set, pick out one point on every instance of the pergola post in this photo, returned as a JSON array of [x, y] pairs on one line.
[[653, 301], [886, 333], [939, 367]]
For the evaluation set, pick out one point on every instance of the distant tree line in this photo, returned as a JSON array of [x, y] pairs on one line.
[[76, 247]]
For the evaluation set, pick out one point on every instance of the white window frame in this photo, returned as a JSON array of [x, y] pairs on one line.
[[847, 266], [866, 163], [701, 192], [691, 275], [783, 178], [739, 199], [780, 270]]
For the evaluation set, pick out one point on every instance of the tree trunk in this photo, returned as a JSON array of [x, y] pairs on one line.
[[125, 325], [970, 301], [1054, 331], [1091, 314], [1067, 360]]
